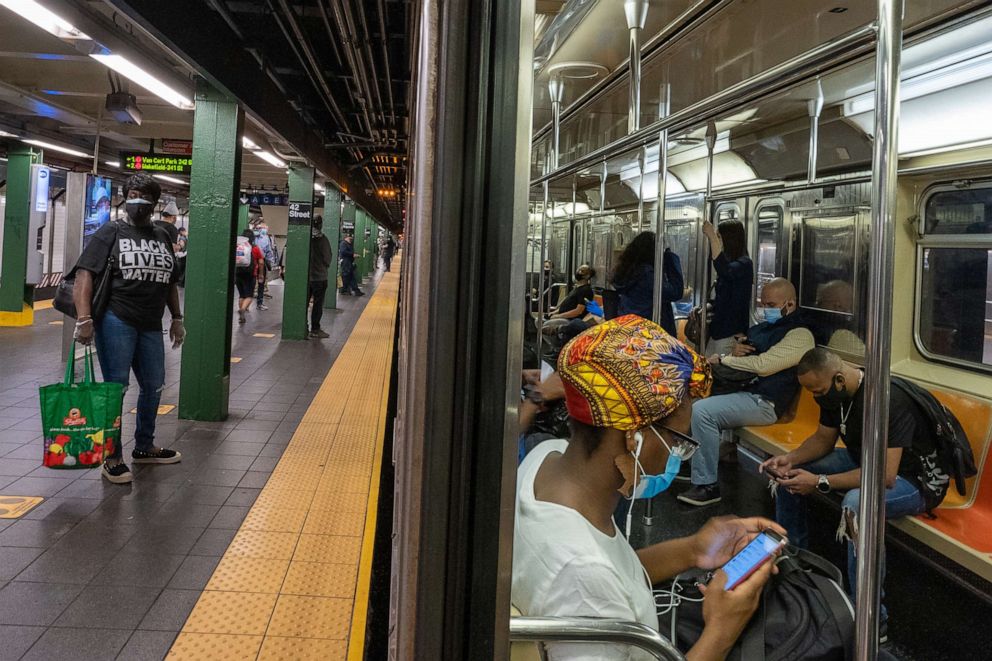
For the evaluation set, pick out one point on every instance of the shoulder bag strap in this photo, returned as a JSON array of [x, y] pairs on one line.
[[753, 640], [840, 608], [817, 563]]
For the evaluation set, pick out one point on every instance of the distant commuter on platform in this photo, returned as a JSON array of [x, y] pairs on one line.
[[320, 260], [346, 255]]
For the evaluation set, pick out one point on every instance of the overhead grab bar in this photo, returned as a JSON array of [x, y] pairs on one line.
[[593, 630]]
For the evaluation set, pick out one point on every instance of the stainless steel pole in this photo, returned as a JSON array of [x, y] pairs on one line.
[[556, 89], [540, 277], [636, 12], [701, 244], [815, 106], [871, 513]]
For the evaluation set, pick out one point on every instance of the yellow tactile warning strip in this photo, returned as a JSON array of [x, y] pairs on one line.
[[14, 507], [294, 582]]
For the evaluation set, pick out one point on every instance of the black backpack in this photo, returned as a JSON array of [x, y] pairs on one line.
[[804, 614], [954, 455]]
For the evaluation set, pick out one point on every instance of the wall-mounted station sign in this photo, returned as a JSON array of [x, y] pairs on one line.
[[151, 162]]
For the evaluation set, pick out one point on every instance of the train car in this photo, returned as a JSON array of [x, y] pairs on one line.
[[851, 140]]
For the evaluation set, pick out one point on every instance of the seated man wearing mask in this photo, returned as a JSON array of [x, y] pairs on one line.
[[770, 351], [629, 388]]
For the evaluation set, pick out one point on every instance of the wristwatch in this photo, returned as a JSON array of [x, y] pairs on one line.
[[823, 484]]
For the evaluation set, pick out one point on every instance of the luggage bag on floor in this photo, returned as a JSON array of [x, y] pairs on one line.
[[81, 422]]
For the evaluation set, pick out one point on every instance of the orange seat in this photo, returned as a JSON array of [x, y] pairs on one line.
[[963, 527]]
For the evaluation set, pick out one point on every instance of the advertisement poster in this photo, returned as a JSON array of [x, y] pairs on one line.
[[98, 190]]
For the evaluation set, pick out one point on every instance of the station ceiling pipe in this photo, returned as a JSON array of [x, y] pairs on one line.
[[815, 107], [636, 12]]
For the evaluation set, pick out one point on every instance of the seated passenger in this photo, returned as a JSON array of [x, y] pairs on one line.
[[629, 388], [771, 350], [818, 465], [633, 279], [573, 306]]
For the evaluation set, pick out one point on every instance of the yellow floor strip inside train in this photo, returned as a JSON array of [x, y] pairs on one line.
[[294, 583]]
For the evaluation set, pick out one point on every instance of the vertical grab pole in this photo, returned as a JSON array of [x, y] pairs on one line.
[[814, 107], [703, 246], [871, 513], [540, 276], [659, 260]]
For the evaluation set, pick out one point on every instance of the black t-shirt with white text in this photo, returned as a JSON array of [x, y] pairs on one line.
[[145, 269], [908, 429], [170, 229]]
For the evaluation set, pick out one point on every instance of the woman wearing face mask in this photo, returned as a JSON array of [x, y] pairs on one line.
[[628, 441], [128, 335]]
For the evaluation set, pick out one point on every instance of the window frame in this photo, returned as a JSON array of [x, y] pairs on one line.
[[923, 242]]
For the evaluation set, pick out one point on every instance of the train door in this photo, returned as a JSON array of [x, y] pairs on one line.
[[768, 242], [683, 215]]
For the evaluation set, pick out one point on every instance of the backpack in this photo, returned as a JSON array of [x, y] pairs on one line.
[[804, 614], [242, 253], [953, 451]]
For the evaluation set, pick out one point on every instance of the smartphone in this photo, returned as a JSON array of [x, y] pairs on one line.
[[774, 473], [758, 552]]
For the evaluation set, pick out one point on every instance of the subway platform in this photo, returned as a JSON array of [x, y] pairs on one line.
[[257, 545]]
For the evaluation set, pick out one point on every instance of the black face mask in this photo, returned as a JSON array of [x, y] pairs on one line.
[[579, 275], [139, 213], [833, 398]]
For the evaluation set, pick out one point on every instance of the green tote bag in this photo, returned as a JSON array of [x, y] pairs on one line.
[[81, 421]]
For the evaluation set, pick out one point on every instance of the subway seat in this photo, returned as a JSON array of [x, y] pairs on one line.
[[962, 530]]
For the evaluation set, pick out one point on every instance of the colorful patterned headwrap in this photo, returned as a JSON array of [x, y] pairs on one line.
[[628, 373]]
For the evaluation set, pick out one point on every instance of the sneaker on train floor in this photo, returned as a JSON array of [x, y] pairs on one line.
[[359, 293], [262, 307], [118, 473], [156, 456], [701, 494], [319, 334]]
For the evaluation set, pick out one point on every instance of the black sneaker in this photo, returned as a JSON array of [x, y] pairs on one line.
[[156, 456], [359, 293], [118, 474], [345, 292], [318, 334], [701, 494], [685, 473], [883, 633]]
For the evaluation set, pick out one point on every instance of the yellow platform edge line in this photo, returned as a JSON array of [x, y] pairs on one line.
[[363, 586]]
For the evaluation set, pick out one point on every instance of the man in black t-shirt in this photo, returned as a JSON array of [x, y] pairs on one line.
[[818, 465], [128, 334]]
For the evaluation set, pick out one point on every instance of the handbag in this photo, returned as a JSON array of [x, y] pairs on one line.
[[63, 300], [804, 614], [81, 422]]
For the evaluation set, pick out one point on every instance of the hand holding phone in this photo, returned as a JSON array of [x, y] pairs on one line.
[[761, 549]]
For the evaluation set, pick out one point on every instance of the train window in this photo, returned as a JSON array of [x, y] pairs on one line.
[[769, 255], [954, 297]]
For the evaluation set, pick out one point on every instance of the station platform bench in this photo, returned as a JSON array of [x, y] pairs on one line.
[[962, 530]]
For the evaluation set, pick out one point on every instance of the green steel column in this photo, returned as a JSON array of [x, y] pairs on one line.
[[242, 218], [16, 296], [370, 231], [295, 290], [332, 229], [204, 381]]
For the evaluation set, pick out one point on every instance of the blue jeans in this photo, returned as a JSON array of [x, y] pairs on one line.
[[121, 347], [903, 499], [712, 415]]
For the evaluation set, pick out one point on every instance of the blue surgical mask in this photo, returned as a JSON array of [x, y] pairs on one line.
[[649, 486], [772, 315]]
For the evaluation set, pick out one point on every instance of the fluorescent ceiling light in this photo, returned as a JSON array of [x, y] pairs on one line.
[[248, 144], [64, 150], [44, 19], [136, 74], [947, 148], [566, 209], [171, 180], [269, 158], [929, 82], [317, 187], [4, 134], [113, 164]]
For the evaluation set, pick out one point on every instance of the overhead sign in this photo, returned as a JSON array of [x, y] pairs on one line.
[[346, 225], [151, 162], [300, 213], [42, 177], [268, 199], [181, 147]]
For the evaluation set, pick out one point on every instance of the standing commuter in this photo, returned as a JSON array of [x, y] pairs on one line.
[[248, 261], [388, 250], [634, 281], [168, 222], [734, 277], [128, 335], [182, 247], [265, 244], [346, 253], [320, 260]]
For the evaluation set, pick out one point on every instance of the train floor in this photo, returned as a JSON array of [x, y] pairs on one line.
[[103, 571], [930, 617]]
